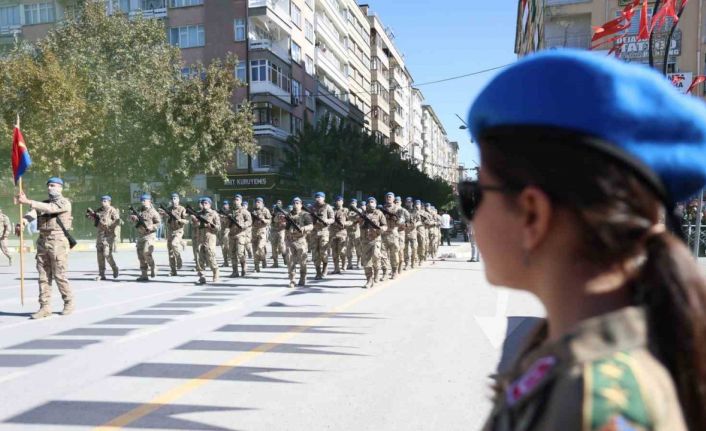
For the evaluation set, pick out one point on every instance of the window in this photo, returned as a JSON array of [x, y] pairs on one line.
[[38, 13], [152, 4], [297, 125], [124, 5], [309, 99], [310, 3], [10, 15], [188, 36], [296, 52], [309, 65], [239, 29], [309, 30], [374, 63], [261, 113], [186, 72], [240, 72], [258, 70], [297, 16], [296, 92], [184, 3], [266, 157], [375, 88], [241, 160]]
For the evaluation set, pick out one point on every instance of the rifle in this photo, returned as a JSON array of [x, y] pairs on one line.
[[365, 217], [231, 218], [172, 217], [92, 214], [290, 220], [199, 217], [387, 212], [257, 217], [313, 214], [140, 220]]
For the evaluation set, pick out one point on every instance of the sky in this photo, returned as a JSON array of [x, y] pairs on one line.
[[450, 38]]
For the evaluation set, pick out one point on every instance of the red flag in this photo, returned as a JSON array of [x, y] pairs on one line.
[[644, 24], [668, 10], [617, 25], [20, 154], [697, 80]]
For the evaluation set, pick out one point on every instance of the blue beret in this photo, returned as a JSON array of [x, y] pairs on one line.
[[238, 197], [296, 200], [225, 202], [372, 198], [354, 200], [398, 198], [175, 195], [390, 194], [258, 199], [339, 198], [427, 204], [409, 199], [205, 199], [245, 203], [320, 195], [146, 197], [417, 201], [55, 180], [106, 198], [628, 111]]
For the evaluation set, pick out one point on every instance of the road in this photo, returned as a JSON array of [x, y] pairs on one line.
[[251, 354]]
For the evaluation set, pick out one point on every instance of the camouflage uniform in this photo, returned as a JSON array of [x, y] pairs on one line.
[[402, 232], [320, 238], [175, 235], [422, 236], [206, 243], [239, 239], [224, 241], [391, 241], [599, 377], [353, 239], [145, 240], [411, 246], [432, 237], [297, 246], [339, 238], [107, 220], [371, 243], [261, 219], [277, 233], [52, 250], [5, 229]]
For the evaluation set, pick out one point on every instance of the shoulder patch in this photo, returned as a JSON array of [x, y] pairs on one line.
[[530, 380], [612, 396]]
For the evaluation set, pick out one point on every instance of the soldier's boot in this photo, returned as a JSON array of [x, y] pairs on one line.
[[101, 277], [384, 273], [43, 312], [225, 264], [68, 308], [291, 283], [275, 264], [257, 265], [302, 277], [116, 272], [324, 270], [216, 275], [264, 262], [350, 265], [370, 280], [202, 280], [234, 274], [179, 262], [285, 259], [318, 271], [243, 271], [393, 274], [143, 277], [152, 272], [9, 260]]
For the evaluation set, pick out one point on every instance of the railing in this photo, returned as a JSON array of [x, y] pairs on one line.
[[10, 30], [582, 41], [150, 13], [333, 64], [270, 129], [268, 45], [275, 5]]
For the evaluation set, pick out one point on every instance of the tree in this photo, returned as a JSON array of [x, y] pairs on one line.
[[104, 96], [323, 155]]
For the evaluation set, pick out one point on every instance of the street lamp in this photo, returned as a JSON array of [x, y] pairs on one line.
[[464, 126]]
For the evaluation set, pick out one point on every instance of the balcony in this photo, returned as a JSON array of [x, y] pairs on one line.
[[331, 66], [159, 13], [277, 10], [329, 35], [328, 98], [581, 41], [274, 47], [10, 30], [331, 7], [270, 130]]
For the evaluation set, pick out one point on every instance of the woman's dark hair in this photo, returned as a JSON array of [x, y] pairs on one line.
[[616, 209]]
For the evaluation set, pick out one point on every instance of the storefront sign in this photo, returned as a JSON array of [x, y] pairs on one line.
[[244, 182], [681, 81], [633, 49]]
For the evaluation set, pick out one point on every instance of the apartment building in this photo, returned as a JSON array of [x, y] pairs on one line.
[[436, 143], [569, 24]]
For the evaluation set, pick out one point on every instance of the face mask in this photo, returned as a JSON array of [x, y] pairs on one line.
[[54, 194]]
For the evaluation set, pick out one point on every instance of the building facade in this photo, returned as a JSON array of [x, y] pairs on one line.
[[558, 24]]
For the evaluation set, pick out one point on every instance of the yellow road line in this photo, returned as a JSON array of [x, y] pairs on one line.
[[195, 383]]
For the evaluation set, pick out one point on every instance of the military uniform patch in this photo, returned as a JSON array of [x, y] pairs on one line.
[[528, 381]]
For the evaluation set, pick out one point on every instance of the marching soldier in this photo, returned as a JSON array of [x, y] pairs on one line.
[[323, 218], [296, 228], [353, 239], [106, 219], [209, 223], [390, 238], [248, 245], [224, 233], [402, 233], [261, 219], [431, 226], [146, 221], [5, 229], [422, 235], [371, 227], [277, 233], [239, 225], [339, 236], [410, 228], [53, 222], [176, 219]]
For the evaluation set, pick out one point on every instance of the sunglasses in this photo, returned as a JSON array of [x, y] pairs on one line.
[[470, 196]]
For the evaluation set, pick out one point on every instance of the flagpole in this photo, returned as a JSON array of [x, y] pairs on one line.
[[22, 244]]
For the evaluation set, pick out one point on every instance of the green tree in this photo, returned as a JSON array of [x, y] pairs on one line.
[[323, 155], [104, 96]]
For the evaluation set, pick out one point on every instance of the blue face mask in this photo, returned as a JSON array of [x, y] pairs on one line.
[[54, 194]]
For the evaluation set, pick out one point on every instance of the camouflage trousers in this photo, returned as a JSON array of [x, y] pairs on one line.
[[371, 253], [238, 249], [422, 239], [352, 245], [4, 249], [104, 252], [410, 248], [259, 245], [338, 250], [297, 253], [391, 245], [145, 248], [224, 240], [279, 247], [319, 250], [52, 264], [174, 244], [206, 245]]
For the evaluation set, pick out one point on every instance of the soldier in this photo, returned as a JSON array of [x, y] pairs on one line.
[[176, 219], [296, 228], [209, 223], [248, 245], [390, 238], [53, 222], [339, 235], [410, 246], [239, 224], [5, 229], [371, 228], [402, 232], [261, 220], [277, 233], [106, 219], [146, 221], [323, 218], [353, 241], [432, 231], [224, 233], [422, 235]]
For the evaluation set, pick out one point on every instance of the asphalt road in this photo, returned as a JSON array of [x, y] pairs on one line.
[[251, 354]]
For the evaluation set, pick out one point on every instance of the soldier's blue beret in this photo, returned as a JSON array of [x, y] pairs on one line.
[[205, 199], [55, 180], [320, 195], [427, 204], [225, 202], [409, 199], [175, 195], [354, 201], [339, 198], [245, 203], [390, 194], [417, 201], [106, 198], [371, 199], [259, 199], [238, 197], [296, 200], [146, 197], [398, 198], [629, 112]]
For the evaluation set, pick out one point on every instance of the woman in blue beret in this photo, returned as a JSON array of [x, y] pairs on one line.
[[584, 159]]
